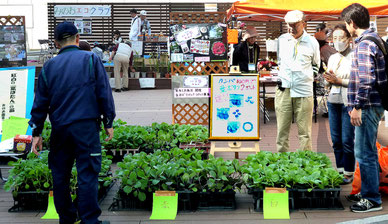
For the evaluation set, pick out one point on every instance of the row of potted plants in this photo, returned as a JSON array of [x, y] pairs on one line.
[[31, 179], [157, 136], [184, 171]]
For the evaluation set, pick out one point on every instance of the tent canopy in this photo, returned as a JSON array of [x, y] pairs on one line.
[[275, 10]]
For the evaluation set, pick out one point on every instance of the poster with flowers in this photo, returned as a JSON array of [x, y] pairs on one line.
[[199, 40]]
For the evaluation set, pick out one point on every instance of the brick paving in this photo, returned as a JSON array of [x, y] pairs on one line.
[[146, 106]]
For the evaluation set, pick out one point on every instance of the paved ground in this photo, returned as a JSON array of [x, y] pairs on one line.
[[146, 106]]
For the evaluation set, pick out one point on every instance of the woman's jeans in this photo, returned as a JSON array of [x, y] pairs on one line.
[[342, 136], [366, 152]]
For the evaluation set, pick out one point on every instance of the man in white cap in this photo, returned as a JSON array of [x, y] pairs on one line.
[[145, 24], [299, 59], [246, 54]]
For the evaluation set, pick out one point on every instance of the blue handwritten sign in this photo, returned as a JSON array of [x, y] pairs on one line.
[[234, 107], [82, 10]]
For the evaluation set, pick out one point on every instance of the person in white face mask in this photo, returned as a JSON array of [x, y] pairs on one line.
[[337, 78]]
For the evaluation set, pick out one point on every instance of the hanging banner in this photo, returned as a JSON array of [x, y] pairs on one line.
[[16, 92], [82, 10]]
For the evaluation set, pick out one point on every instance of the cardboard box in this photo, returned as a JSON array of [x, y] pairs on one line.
[[22, 143]]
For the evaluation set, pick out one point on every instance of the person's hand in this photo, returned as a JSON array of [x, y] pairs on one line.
[[355, 117], [330, 77], [109, 132], [37, 145]]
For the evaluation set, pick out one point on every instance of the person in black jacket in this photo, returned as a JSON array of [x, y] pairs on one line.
[[246, 54], [73, 89]]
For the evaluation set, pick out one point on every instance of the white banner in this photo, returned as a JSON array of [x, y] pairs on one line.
[[147, 82], [13, 94], [137, 47], [82, 10], [191, 92]]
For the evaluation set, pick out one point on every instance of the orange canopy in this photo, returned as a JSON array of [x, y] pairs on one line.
[[275, 10]]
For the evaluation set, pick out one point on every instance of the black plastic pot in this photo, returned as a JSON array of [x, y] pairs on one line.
[[29, 200], [217, 200], [257, 195], [124, 201], [319, 199]]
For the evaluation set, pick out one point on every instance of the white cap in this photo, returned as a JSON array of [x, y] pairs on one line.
[[143, 13], [294, 16]]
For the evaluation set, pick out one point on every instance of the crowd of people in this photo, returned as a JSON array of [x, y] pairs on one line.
[[348, 72], [354, 103]]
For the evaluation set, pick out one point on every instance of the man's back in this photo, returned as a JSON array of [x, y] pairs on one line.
[[70, 82]]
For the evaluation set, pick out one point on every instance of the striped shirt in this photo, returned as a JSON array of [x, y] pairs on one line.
[[368, 64]]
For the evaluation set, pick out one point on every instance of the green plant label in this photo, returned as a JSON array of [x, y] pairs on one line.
[[165, 205], [275, 203], [51, 212]]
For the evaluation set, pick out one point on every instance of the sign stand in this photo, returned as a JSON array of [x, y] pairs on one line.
[[233, 146]]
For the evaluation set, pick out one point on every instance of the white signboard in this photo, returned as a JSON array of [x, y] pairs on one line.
[[81, 10], [271, 45], [195, 81], [137, 47], [147, 82], [191, 92], [13, 94], [234, 112]]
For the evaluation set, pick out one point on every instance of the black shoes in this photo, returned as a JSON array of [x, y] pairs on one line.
[[118, 90], [125, 89], [364, 205], [354, 197]]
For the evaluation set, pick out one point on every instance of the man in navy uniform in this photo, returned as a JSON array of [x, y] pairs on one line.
[[74, 90]]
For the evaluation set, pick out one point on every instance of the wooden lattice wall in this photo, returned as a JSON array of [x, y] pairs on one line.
[[12, 20], [196, 113]]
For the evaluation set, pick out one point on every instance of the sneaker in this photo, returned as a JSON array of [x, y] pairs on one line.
[[347, 180], [124, 89], [354, 197], [117, 90], [364, 205]]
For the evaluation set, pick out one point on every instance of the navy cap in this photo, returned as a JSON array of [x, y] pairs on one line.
[[65, 30]]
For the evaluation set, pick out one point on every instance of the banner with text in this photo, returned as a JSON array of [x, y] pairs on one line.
[[16, 92], [82, 10]]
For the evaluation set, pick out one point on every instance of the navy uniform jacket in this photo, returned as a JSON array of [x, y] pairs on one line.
[[72, 86]]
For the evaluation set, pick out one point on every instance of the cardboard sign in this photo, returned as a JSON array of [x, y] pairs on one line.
[[232, 36], [14, 126], [275, 203], [165, 205]]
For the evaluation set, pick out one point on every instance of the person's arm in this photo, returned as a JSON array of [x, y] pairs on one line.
[[316, 60], [104, 96], [258, 54], [148, 28], [236, 53], [113, 52], [39, 111], [131, 62], [366, 72]]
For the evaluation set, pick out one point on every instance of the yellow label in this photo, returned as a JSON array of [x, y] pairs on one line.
[[21, 146]]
